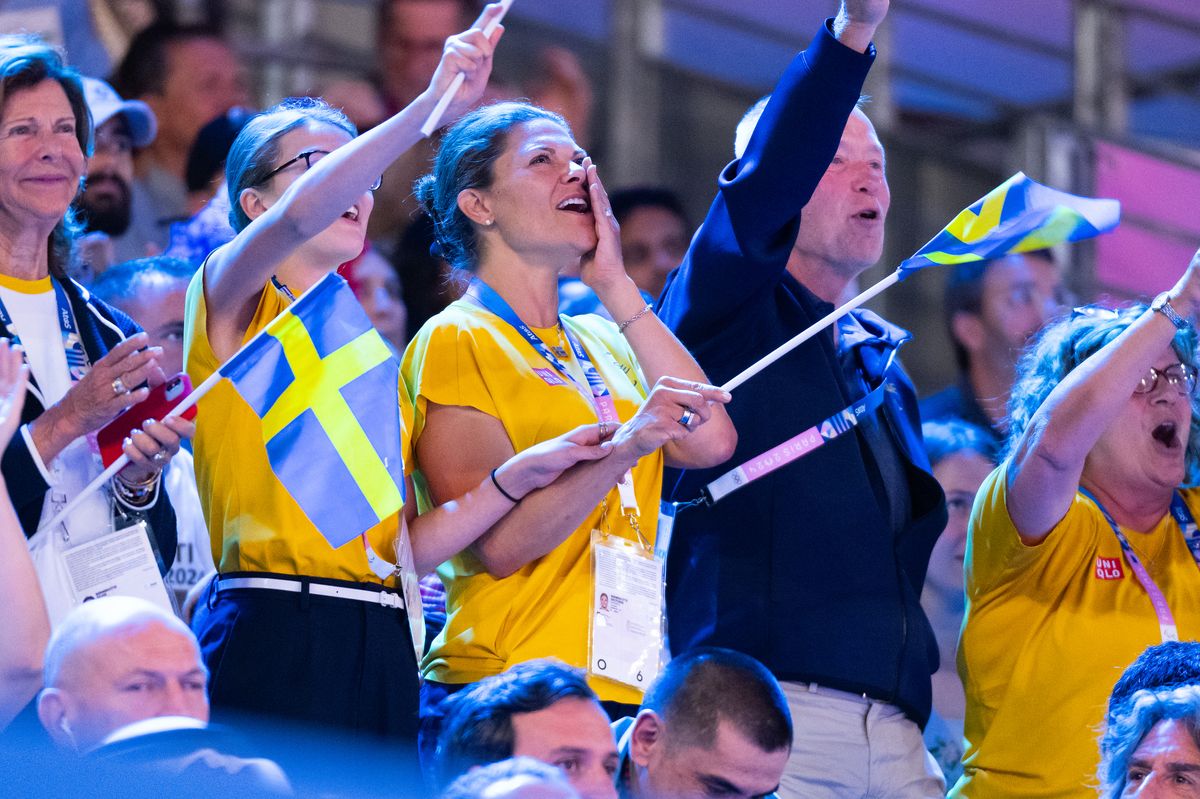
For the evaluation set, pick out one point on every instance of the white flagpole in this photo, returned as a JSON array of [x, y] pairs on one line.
[[789, 345], [187, 402], [435, 116]]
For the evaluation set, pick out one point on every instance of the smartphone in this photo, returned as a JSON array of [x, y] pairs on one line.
[[161, 400]]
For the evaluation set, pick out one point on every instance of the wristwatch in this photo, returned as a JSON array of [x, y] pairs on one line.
[[1162, 304]]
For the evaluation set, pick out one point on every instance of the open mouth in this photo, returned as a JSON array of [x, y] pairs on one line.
[[869, 215], [578, 205], [351, 214], [1165, 434]]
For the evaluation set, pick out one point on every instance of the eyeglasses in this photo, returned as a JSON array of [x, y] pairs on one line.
[[1180, 375], [310, 157]]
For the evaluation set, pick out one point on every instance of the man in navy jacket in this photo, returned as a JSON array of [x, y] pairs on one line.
[[816, 568]]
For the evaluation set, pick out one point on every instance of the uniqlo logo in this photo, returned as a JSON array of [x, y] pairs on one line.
[[1109, 569]]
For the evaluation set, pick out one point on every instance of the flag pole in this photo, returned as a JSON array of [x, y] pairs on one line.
[[435, 116], [789, 345], [187, 402]]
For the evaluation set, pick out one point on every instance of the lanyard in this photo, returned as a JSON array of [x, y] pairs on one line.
[[798, 446], [77, 360], [1191, 536], [596, 390]]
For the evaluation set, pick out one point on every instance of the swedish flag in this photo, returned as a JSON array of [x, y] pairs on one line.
[[1019, 215], [324, 384]]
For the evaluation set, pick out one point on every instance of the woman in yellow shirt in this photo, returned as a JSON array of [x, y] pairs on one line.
[[1082, 548], [295, 627], [515, 201]]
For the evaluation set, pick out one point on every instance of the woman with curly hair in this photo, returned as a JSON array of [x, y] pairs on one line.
[[1083, 548]]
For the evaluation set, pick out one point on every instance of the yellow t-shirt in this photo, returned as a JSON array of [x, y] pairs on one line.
[[466, 356], [1048, 631], [254, 523]]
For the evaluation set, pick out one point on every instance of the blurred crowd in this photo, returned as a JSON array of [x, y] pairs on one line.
[[982, 592]]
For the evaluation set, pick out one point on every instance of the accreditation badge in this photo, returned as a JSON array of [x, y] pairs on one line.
[[121, 563], [625, 640]]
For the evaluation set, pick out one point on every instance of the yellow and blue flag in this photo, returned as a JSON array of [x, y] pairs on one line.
[[325, 384], [1017, 216]]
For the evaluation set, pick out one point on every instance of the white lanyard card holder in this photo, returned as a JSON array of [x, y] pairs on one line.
[[626, 622]]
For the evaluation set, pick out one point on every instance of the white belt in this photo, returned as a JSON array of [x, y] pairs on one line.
[[386, 598]]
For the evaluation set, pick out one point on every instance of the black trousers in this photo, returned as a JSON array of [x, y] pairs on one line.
[[324, 661]]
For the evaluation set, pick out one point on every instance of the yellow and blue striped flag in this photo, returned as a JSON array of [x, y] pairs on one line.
[[1019, 215], [325, 384]]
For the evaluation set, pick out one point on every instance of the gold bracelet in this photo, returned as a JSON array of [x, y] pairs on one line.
[[621, 327]]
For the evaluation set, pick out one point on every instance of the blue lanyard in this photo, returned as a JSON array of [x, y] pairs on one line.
[[1191, 536], [77, 360], [596, 389]]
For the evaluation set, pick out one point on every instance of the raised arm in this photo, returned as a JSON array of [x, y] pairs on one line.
[[1048, 460], [659, 353], [236, 274], [22, 609], [750, 228]]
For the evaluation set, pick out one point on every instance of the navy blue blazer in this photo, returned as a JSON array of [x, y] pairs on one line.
[[801, 569], [101, 327]]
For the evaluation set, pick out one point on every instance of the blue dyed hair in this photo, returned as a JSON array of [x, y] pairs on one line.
[[465, 160], [255, 151], [1144, 711], [1067, 342]]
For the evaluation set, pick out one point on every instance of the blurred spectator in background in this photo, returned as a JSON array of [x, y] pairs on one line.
[[377, 286], [715, 723], [105, 204], [152, 292], [409, 39], [542, 709], [188, 76], [1152, 750], [962, 456], [654, 234], [515, 778], [992, 308], [205, 171], [69, 24]]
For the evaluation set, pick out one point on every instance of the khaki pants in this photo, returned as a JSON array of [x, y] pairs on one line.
[[849, 747]]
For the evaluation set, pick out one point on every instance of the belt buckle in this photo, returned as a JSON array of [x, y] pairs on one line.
[[390, 600]]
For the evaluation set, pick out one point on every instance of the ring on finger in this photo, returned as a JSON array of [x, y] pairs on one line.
[[686, 418], [118, 387], [159, 458]]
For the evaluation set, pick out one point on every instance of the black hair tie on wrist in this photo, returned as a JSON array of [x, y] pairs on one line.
[[507, 495]]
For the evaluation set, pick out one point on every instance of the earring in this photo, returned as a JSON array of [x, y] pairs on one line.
[[488, 222]]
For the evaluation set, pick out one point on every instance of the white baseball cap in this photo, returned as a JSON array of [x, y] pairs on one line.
[[105, 103]]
